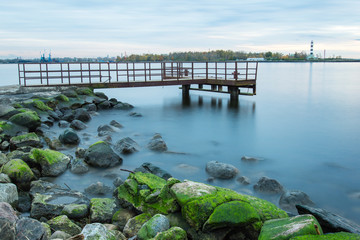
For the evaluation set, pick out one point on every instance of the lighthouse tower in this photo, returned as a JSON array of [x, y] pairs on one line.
[[311, 56]]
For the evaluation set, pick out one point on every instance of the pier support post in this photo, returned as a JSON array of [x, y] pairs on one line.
[[186, 91], [234, 93]]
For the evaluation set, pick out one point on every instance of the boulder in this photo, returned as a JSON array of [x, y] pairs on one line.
[[268, 185], [4, 178], [49, 199], [71, 93], [11, 129], [135, 114], [9, 194], [100, 154], [114, 123], [221, 170], [82, 115], [28, 228], [134, 224], [158, 223], [126, 146], [329, 221], [78, 125], [174, 233], [78, 166], [151, 168], [52, 163], [118, 181], [63, 223], [7, 212], [101, 95], [104, 105], [104, 130], [123, 106], [29, 119], [102, 209], [243, 180], [90, 107], [29, 139], [149, 193], [250, 159], [121, 217], [63, 124], [287, 228], [80, 152], [7, 229], [289, 200], [84, 91], [75, 211], [209, 208], [97, 188], [157, 144], [55, 144], [97, 231], [19, 172], [7, 111], [68, 116], [60, 235], [70, 137], [24, 204]]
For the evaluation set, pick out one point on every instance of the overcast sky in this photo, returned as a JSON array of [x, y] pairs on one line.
[[90, 28]]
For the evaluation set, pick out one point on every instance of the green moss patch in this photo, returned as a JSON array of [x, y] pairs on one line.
[[47, 156], [18, 171], [330, 236]]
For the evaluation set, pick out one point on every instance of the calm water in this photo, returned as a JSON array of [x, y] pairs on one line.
[[304, 124]]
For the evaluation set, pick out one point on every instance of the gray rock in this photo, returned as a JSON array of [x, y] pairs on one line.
[[221, 170], [250, 159], [7, 229], [75, 211], [118, 181], [90, 107], [54, 115], [97, 231], [4, 146], [3, 159], [115, 124], [9, 193], [134, 224], [121, 217], [70, 93], [135, 114], [104, 130], [290, 199], [29, 139], [101, 95], [6, 111], [52, 163], [98, 188], [329, 221], [63, 124], [7, 212], [268, 185], [4, 178], [60, 235], [69, 137], [104, 105], [158, 223], [78, 166], [102, 209], [78, 125], [28, 228], [80, 152], [151, 168], [55, 144], [126, 146], [243, 180], [123, 106], [63, 223], [68, 116], [24, 204], [157, 144], [100, 154], [82, 115]]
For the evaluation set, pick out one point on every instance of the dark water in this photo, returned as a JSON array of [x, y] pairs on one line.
[[303, 124]]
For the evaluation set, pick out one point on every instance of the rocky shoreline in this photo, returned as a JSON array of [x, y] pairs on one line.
[[149, 204]]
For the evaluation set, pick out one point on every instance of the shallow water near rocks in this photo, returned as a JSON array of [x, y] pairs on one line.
[[303, 125]]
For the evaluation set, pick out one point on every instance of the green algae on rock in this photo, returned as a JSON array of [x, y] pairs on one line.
[[75, 211], [285, 228], [102, 209], [18, 171], [29, 139], [329, 236], [149, 193], [52, 163], [63, 223], [28, 118], [174, 233]]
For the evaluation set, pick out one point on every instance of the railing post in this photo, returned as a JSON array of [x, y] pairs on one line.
[[256, 68], [19, 74], [134, 71], [127, 71], [81, 73], [117, 71], [61, 74], [246, 75], [145, 70], [109, 72], [150, 71], [68, 65], [41, 75], [100, 72], [207, 70], [216, 68], [89, 73], [24, 74], [225, 71], [236, 72], [192, 70], [47, 74]]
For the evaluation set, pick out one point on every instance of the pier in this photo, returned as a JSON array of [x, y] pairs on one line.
[[235, 78]]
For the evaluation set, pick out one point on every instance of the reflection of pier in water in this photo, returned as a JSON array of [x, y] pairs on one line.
[[235, 78]]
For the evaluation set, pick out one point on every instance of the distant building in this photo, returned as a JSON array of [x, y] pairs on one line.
[[311, 56], [255, 59]]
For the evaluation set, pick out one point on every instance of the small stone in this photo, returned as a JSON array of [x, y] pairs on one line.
[[221, 170], [97, 188], [290, 199], [115, 124], [243, 180], [158, 223], [267, 185]]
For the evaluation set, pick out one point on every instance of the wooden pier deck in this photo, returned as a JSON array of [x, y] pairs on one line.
[[236, 78]]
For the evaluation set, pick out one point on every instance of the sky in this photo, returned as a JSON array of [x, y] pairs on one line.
[[92, 28]]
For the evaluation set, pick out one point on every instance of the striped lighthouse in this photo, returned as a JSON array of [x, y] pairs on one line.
[[312, 49]]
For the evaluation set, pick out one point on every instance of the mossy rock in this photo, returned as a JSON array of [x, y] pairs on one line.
[[204, 203], [29, 139], [75, 211], [29, 119], [52, 163], [62, 98], [330, 236], [18, 171], [102, 209], [174, 233], [286, 228], [148, 193], [134, 224], [85, 91], [63, 223], [11, 129], [41, 105]]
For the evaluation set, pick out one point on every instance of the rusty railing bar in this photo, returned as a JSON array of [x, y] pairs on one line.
[[68, 65], [47, 74]]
